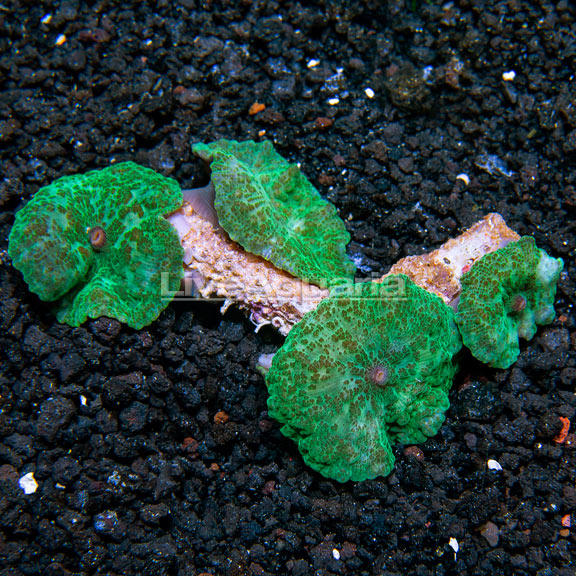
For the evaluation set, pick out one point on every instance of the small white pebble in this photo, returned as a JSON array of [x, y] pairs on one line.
[[83, 400], [336, 554], [493, 465], [46, 19], [265, 361], [464, 177], [508, 76], [427, 72], [333, 101], [28, 483], [60, 40], [312, 63], [369, 92], [453, 543]]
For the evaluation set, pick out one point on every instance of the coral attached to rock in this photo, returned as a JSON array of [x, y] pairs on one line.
[[98, 245], [270, 208], [363, 371], [221, 268], [505, 296], [440, 271]]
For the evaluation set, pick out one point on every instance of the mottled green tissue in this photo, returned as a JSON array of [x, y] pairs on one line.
[[50, 244], [505, 296], [269, 207], [363, 372]]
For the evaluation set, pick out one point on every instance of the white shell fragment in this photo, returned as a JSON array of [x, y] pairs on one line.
[[493, 465], [369, 92], [336, 554], [508, 76], [453, 543], [464, 178], [28, 483]]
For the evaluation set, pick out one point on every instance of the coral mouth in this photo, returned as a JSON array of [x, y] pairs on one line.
[[98, 238], [518, 303], [378, 374]]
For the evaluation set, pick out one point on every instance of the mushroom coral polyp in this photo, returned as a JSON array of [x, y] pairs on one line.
[[505, 296], [97, 244], [269, 207], [362, 372]]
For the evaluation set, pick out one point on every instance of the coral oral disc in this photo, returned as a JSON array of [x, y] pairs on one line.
[[98, 238], [518, 303], [379, 375]]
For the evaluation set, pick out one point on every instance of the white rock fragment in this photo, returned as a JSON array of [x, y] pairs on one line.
[[464, 178], [440, 271], [46, 19], [221, 268], [453, 543], [28, 483], [83, 400], [224, 269], [333, 101], [493, 465], [312, 63], [508, 76], [336, 554], [369, 92], [60, 40]]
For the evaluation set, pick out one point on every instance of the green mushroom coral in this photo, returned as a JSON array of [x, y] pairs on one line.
[[96, 244], [270, 208], [505, 296], [360, 373]]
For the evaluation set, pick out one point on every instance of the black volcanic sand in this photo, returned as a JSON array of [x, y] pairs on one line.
[[153, 450]]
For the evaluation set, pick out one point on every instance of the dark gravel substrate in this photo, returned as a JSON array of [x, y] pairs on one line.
[[153, 450]]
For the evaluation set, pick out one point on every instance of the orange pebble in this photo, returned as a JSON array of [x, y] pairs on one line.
[[323, 123], [221, 417], [564, 432], [256, 107]]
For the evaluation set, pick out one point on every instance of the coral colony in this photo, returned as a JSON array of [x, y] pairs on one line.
[[364, 365], [362, 372], [86, 242]]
